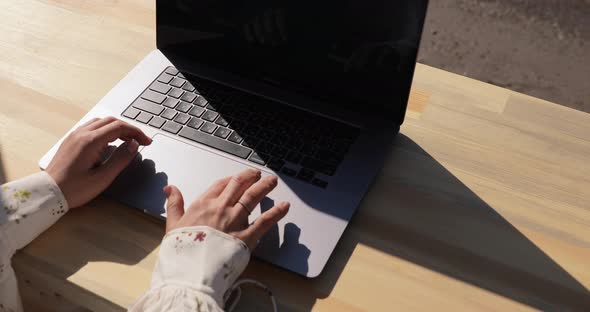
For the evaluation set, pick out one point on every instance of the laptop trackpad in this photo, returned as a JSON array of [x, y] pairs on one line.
[[170, 161]]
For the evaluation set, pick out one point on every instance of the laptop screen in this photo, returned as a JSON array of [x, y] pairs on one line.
[[355, 54]]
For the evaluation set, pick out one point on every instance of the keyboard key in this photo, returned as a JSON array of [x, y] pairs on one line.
[[154, 96], [275, 164], [177, 82], [171, 102], [215, 142], [188, 97], [131, 112], [144, 117], [196, 111], [305, 175], [294, 157], [211, 107], [309, 149], [188, 87], [148, 106], [222, 121], [290, 172], [237, 125], [159, 87], [165, 78], [340, 147], [157, 122], [195, 123], [251, 130], [208, 127], [172, 71], [329, 157], [169, 114], [201, 101], [235, 137], [210, 116], [181, 118], [242, 114], [183, 107], [222, 132], [265, 147], [172, 127], [175, 93], [266, 135], [319, 182], [280, 152], [251, 142], [258, 158], [318, 165]]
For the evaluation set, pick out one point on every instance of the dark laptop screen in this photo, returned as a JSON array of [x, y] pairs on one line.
[[356, 54]]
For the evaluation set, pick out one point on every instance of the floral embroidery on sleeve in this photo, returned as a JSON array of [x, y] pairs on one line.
[[186, 239], [13, 203]]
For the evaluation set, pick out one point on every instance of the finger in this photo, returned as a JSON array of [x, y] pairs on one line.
[[263, 224], [118, 161], [101, 122], [174, 206], [89, 122], [121, 130], [254, 195], [239, 184], [216, 188]]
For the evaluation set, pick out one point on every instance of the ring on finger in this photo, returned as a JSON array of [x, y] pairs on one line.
[[245, 207]]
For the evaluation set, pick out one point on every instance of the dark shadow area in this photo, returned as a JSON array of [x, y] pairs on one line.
[[116, 234], [290, 251], [139, 185], [2, 171], [417, 210]]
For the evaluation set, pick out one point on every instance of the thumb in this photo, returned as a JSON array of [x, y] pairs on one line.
[[118, 161], [174, 206]]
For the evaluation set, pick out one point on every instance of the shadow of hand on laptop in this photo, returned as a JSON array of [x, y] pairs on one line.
[[270, 245]]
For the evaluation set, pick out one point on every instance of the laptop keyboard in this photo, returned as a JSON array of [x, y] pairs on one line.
[[287, 140]]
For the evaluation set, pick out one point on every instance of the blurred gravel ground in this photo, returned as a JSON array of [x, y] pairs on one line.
[[537, 47]]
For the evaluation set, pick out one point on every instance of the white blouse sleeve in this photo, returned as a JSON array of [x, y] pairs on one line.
[[27, 208], [195, 268]]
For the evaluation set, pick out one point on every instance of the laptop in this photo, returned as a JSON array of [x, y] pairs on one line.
[[312, 92]]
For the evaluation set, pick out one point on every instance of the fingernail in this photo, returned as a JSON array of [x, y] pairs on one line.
[[166, 190], [132, 146], [285, 205]]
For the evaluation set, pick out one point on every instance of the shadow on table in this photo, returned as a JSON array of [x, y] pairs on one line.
[[116, 235], [422, 213], [2, 172]]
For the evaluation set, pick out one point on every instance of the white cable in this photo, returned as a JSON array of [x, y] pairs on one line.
[[236, 287]]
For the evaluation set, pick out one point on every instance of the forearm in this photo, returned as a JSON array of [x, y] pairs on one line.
[[28, 207]]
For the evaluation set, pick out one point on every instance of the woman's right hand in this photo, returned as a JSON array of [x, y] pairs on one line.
[[225, 206]]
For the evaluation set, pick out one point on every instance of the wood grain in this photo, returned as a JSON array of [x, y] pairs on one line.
[[483, 204]]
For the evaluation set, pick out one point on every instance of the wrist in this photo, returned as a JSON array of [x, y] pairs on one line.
[[59, 182], [201, 257]]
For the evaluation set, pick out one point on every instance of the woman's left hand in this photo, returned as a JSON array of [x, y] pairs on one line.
[[78, 167]]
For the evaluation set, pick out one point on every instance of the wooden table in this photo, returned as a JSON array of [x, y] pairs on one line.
[[484, 203]]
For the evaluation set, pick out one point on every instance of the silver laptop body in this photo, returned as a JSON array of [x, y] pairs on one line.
[[323, 199]]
